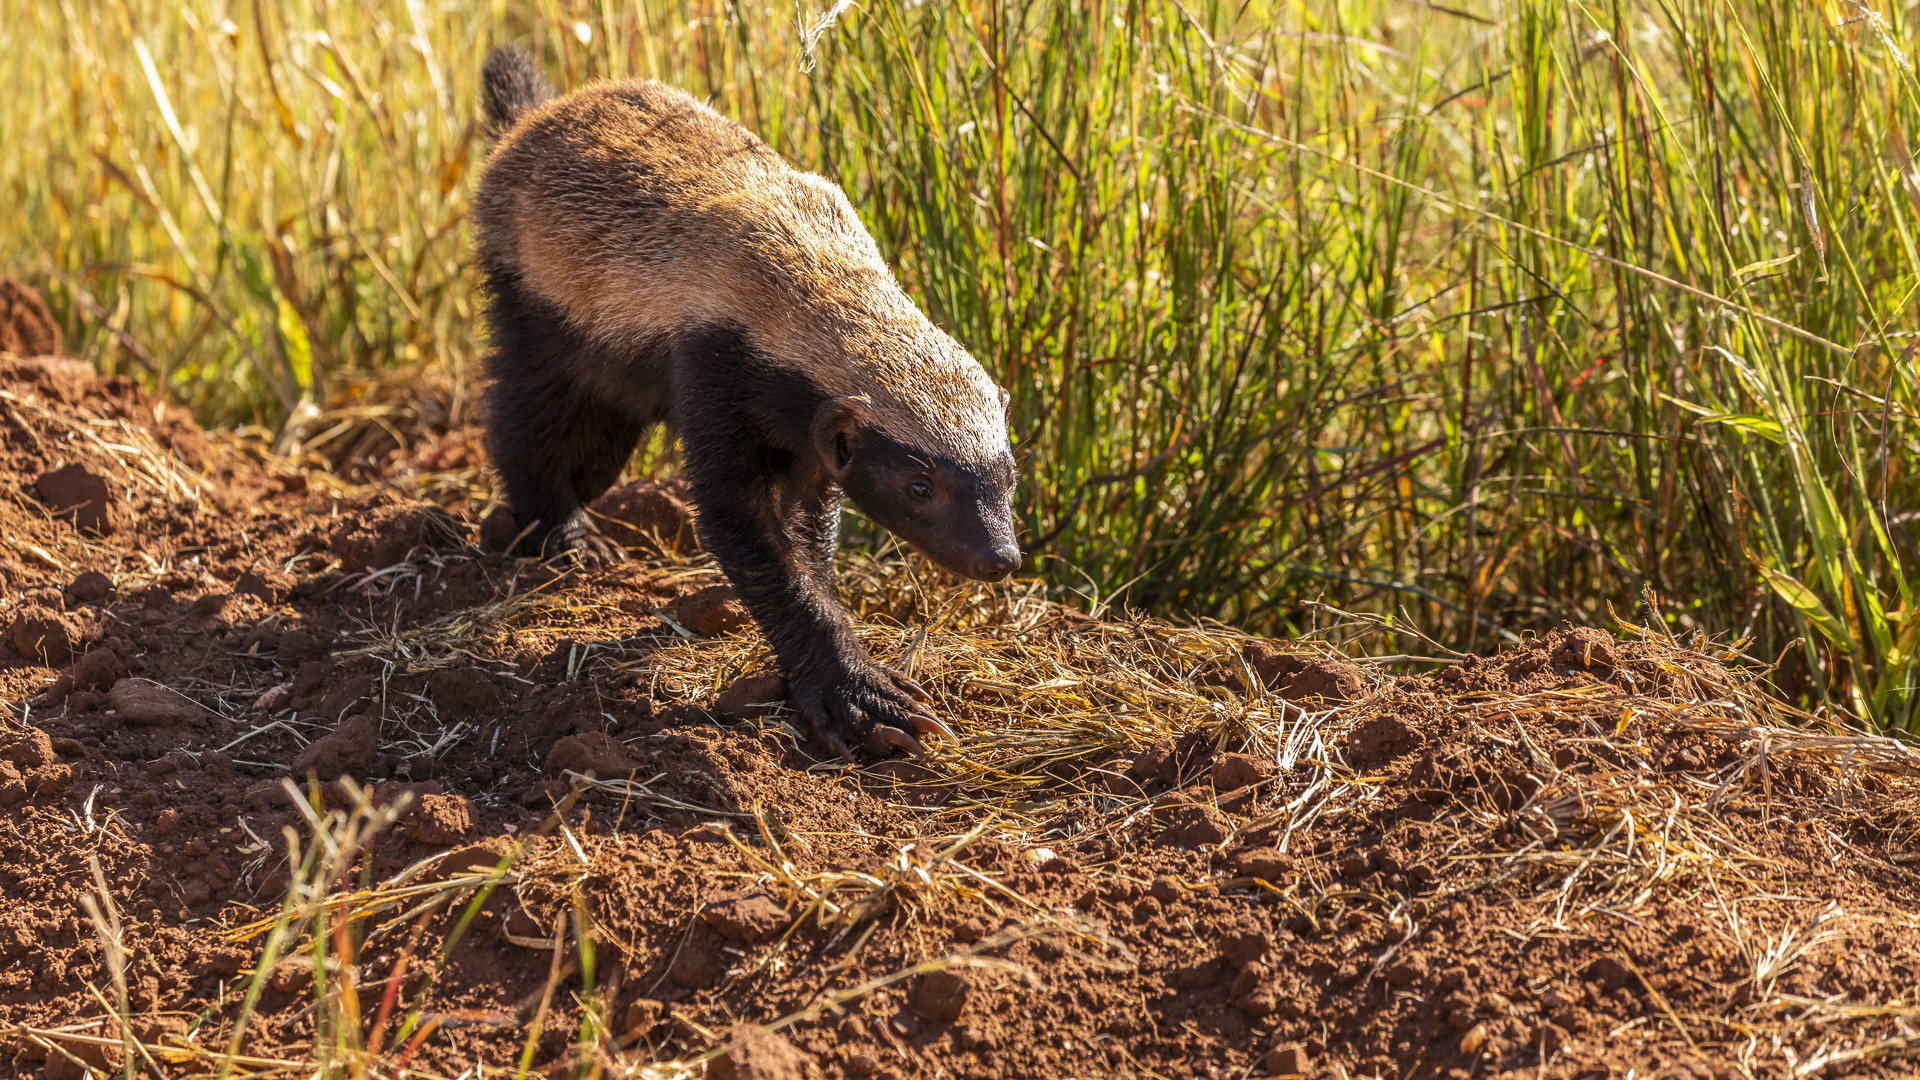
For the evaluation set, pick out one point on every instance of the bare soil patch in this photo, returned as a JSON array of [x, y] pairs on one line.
[[1160, 851]]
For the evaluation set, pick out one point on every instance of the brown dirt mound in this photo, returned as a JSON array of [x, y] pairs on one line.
[[1585, 857], [26, 326]]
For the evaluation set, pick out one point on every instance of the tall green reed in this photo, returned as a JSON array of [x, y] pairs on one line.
[[1488, 313]]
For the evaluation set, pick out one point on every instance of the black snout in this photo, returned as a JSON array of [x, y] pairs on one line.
[[996, 563]]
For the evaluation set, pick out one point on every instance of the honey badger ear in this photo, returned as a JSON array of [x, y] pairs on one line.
[[836, 432]]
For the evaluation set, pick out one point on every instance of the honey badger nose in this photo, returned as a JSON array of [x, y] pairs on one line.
[[996, 563]]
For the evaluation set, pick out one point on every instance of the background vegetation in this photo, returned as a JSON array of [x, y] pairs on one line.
[[1491, 311]]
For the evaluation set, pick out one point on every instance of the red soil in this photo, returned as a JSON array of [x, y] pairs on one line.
[[1539, 865]]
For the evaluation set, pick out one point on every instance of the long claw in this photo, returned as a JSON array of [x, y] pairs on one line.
[[838, 746], [923, 724], [919, 692], [895, 739]]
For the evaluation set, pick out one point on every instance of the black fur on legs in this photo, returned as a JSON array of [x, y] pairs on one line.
[[769, 515], [556, 444]]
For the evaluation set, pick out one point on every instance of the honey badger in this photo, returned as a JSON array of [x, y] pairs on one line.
[[648, 261]]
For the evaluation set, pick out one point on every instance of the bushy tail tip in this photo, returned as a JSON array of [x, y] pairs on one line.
[[510, 85]]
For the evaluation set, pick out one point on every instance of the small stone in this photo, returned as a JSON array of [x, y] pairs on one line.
[[861, 1065], [1473, 1040], [942, 995], [751, 917], [139, 701], [1289, 1059], [165, 822], [712, 611]]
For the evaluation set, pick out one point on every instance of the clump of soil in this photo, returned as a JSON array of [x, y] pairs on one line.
[[1584, 857], [26, 326]]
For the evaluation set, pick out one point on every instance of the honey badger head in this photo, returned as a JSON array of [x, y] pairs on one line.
[[929, 459]]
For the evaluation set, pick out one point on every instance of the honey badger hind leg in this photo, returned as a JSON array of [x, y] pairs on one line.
[[556, 450], [556, 445]]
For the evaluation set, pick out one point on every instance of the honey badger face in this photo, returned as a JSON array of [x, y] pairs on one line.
[[955, 509]]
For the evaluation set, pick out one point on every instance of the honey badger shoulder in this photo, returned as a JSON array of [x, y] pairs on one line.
[[647, 261]]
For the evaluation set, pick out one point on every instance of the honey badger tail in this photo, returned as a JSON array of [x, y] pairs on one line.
[[510, 85]]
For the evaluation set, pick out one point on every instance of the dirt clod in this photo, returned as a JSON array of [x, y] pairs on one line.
[[385, 534], [26, 326], [943, 995], [440, 820], [90, 587], [760, 1055], [753, 696], [41, 633], [488, 680], [594, 754], [751, 917], [712, 611], [652, 515], [1231, 772], [348, 750], [1269, 864], [78, 496], [29, 749], [1192, 825]]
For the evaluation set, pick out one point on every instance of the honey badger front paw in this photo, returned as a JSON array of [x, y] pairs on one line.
[[866, 703]]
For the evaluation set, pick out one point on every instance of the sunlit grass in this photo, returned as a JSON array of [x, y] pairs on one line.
[[1490, 311]]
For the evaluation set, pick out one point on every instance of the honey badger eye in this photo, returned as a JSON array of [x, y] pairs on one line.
[[921, 489]]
